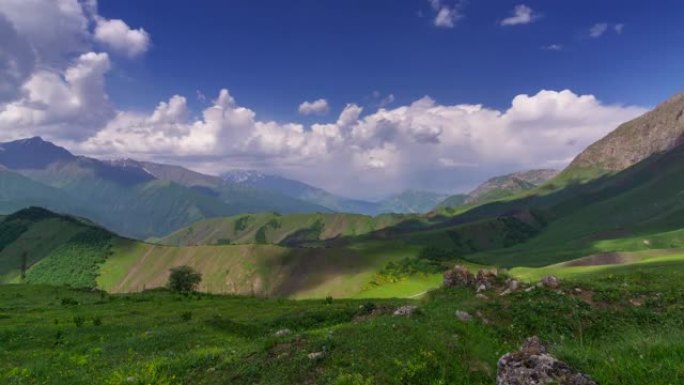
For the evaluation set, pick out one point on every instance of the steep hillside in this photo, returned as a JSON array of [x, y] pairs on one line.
[[636, 209], [40, 247], [654, 132], [17, 192], [271, 228]]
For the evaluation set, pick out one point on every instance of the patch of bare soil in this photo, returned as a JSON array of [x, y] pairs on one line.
[[600, 259]]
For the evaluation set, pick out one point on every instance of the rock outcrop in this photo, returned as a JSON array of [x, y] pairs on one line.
[[533, 365], [458, 276]]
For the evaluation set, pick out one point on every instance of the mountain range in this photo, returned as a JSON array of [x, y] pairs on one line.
[[632, 204], [144, 199], [410, 201]]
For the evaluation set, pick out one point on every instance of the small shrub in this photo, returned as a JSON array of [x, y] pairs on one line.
[[367, 308], [328, 300], [186, 316], [59, 337], [68, 301], [78, 321], [184, 279]]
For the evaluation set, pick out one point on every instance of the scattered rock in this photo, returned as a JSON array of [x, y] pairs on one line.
[[316, 356], [636, 301], [482, 318], [463, 316], [283, 333], [481, 288], [512, 284], [406, 310], [481, 296], [532, 365], [551, 282], [458, 276], [486, 279], [505, 292], [529, 289], [578, 290]]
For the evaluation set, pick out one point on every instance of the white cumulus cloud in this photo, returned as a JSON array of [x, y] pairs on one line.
[[317, 107], [522, 14], [423, 144], [446, 15], [121, 38]]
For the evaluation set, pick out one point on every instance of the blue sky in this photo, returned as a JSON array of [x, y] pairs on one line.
[[362, 97], [274, 54]]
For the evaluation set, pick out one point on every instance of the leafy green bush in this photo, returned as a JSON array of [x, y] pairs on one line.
[[395, 271], [184, 279], [68, 301], [241, 223]]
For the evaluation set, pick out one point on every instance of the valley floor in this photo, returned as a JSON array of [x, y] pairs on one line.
[[624, 327]]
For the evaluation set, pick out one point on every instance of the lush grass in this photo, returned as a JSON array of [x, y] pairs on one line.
[[55, 336]]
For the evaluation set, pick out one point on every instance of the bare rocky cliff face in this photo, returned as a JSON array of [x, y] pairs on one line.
[[657, 131]]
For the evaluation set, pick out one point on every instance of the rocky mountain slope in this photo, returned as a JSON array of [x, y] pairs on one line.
[[501, 187], [654, 132]]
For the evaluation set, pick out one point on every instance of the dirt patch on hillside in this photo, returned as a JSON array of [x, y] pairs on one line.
[[600, 259]]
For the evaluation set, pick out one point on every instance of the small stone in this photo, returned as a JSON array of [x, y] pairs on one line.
[[578, 290], [211, 370], [482, 318], [406, 310], [533, 345], [481, 288], [551, 282], [512, 284], [463, 316], [316, 356], [505, 292], [283, 333], [481, 296], [529, 289]]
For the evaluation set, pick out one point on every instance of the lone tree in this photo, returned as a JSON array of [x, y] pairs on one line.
[[184, 279]]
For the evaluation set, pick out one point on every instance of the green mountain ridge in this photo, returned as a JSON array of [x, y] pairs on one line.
[[500, 187]]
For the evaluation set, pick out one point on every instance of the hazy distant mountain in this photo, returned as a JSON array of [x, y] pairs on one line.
[[300, 190], [501, 187], [411, 201], [136, 199]]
